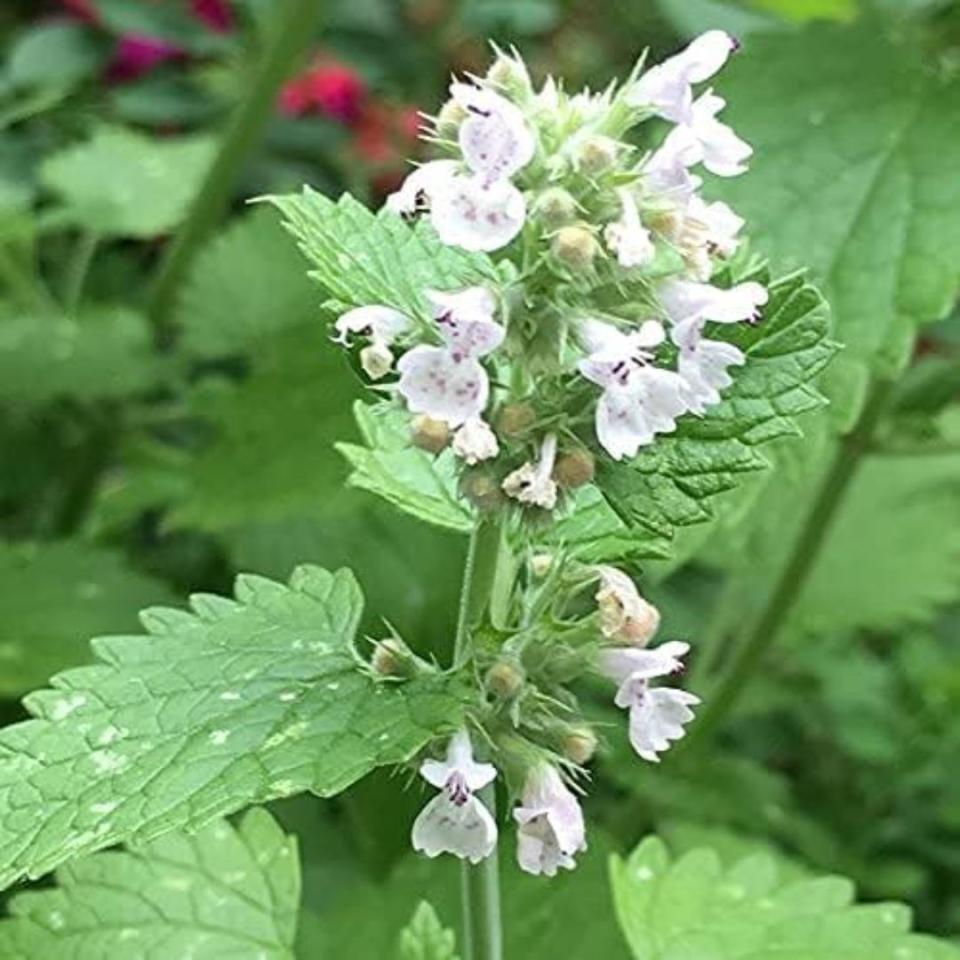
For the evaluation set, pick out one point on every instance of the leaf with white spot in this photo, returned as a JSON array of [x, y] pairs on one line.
[[237, 702], [693, 906], [219, 892]]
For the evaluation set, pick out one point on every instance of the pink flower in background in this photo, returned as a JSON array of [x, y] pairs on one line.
[[137, 54], [331, 88], [216, 14]]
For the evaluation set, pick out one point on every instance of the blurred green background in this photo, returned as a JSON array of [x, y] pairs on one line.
[[153, 448]]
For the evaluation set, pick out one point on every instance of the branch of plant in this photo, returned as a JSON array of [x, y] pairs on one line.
[[296, 21], [793, 575]]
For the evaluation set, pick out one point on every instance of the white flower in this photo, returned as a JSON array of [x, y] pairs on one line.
[[628, 238], [475, 441], [416, 190], [721, 151], [625, 665], [456, 821], [624, 614], [533, 483], [467, 213], [638, 400], [448, 383], [686, 300], [666, 171], [382, 325], [703, 363], [657, 715], [550, 829], [665, 89], [494, 138]]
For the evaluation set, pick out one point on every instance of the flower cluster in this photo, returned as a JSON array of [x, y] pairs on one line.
[[609, 303], [550, 824]]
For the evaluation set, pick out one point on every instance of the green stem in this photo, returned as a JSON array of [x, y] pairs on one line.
[[480, 884], [294, 28], [78, 268], [793, 576]]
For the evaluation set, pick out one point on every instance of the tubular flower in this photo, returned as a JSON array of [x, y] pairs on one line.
[[550, 828], [456, 821], [624, 614]]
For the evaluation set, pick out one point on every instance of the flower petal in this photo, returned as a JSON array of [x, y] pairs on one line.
[[494, 138], [435, 381], [466, 213], [466, 830], [658, 719]]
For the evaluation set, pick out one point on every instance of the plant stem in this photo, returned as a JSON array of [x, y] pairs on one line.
[[480, 884], [799, 563], [293, 29], [78, 268]]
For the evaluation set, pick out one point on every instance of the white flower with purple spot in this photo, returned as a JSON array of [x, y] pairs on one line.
[[533, 483], [687, 299], [704, 364], [721, 151], [382, 325], [628, 238], [456, 821], [449, 383], [550, 828]]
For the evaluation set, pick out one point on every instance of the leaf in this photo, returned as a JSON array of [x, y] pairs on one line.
[[53, 593], [425, 938], [222, 891], [237, 702], [893, 555], [128, 184], [246, 284], [104, 352], [693, 906], [270, 453], [671, 484], [54, 55], [389, 466], [853, 175], [360, 257]]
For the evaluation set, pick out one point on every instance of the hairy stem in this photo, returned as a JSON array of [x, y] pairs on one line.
[[293, 29], [800, 561], [486, 560]]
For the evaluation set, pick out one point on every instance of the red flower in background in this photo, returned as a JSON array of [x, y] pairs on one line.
[[137, 54], [216, 14], [329, 87]]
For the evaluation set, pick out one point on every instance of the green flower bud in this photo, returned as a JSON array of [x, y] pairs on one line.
[[514, 419], [451, 115], [392, 658], [504, 679], [429, 434], [509, 73], [482, 489], [579, 745], [596, 155], [555, 208], [576, 247]]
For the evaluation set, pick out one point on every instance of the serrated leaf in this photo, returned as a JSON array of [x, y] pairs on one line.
[[247, 284], [389, 466], [671, 483], [103, 352], [853, 175], [53, 596], [223, 891], [128, 184], [694, 906], [270, 452], [425, 937], [237, 702], [361, 258]]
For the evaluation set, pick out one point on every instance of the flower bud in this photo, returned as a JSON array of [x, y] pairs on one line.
[[579, 745], [624, 615], [482, 489], [540, 564], [475, 441], [574, 469], [514, 419], [555, 208], [509, 73], [451, 115], [392, 658], [376, 360], [596, 155], [504, 679], [576, 247], [429, 434]]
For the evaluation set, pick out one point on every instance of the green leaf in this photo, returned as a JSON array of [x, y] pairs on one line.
[[103, 352], [237, 702], [54, 55], [361, 258], [411, 479], [247, 283], [270, 454], [853, 175], [128, 184], [425, 937], [220, 892], [693, 906], [671, 484], [893, 554], [51, 594]]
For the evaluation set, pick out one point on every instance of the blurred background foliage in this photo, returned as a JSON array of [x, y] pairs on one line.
[[143, 460]]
